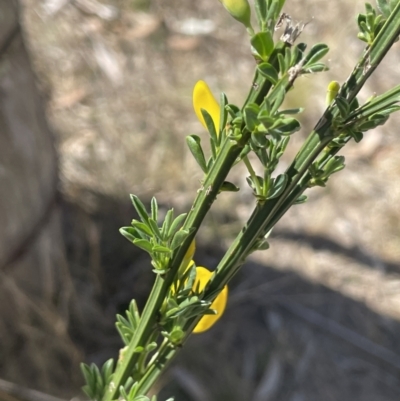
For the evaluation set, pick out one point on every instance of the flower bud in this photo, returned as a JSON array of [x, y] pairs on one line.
[[331, 92], [239, 9]]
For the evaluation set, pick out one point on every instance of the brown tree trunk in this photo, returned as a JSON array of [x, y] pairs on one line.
[[35, 349]]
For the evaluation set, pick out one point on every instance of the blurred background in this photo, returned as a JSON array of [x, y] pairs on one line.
[[95, 104]]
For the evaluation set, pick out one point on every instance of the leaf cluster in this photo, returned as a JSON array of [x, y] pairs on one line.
[[158, 242], [371, 22], [97, 380]]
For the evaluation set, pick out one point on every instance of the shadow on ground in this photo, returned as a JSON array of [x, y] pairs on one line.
[[282, 337]]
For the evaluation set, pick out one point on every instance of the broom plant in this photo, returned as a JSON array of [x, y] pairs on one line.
[[187, 298]]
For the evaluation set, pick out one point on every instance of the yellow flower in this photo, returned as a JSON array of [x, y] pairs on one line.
[[204, 99], [203, 276]]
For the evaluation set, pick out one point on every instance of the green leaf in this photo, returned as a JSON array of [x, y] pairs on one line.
[[160, 249], [223, 112], [314, 68], [334, 165], [141, 210], [261, 12], [262, 154], [372, 123], [177, 224], [278, 187], [87, 374], [154, 228], [143, 227], [356, 135], [178, 239], [301, 199], [343, 106], [107, 370], [361, 22], [252, 184], [194, 144], [278, 98], [269, 72], [261, 245], [129, 233], [143, 244], [315, 54], [282, 66], [259, 140], [166, 226], [274, 10], [288, 56], [151, 346], [370, 20], [250, 116], [265, 118], [229, 187], [233, 110], [287, 126], [154, 209], [291, 111], [296, 54], [263, 43], [383, 7], [210, 125]]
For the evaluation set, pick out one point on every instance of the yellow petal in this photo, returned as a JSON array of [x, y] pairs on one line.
[[204, 99], [203, 276], [187, 260]]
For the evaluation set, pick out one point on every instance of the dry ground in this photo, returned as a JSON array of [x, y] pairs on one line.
[[324, 323]]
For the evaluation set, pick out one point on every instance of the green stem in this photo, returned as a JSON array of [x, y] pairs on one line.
[[263, 216], [253, 175], [373, 55], [202, 204], [156, 366]]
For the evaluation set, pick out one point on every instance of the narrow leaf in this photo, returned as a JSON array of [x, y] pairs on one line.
[[143, 244], [140, 208], [177, 224], [278, 187], [194, 144], [142, 227], [301, 199], [316, 53], [224, 112], [154, 209], [160, 249], [166, 226], [154, 228], [269, 72], [210, 125], [178, 239], [313, 68]]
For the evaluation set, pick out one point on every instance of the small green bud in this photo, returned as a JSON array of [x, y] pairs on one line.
[[332, 91], [239, 9], [176, 336]]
